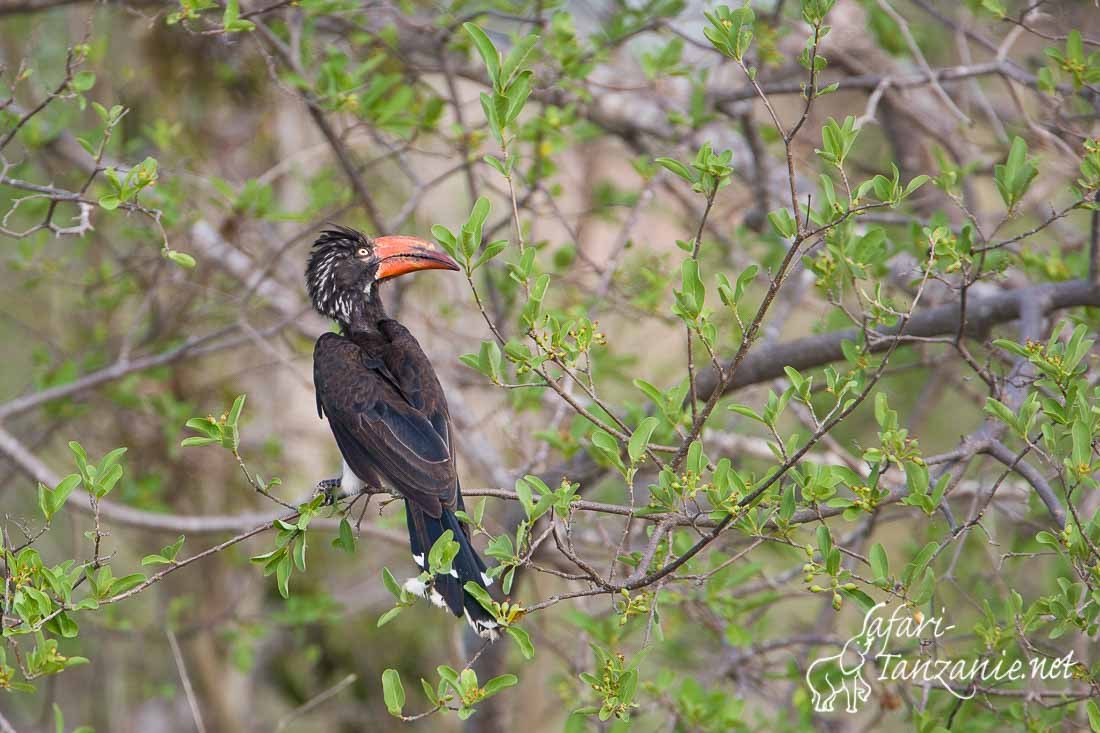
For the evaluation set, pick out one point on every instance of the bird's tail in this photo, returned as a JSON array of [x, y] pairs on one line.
[[447, 591]]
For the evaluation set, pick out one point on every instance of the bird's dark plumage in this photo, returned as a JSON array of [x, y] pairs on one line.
[[385, 405]]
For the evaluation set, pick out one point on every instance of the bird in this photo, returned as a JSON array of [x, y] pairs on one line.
[[385, 406]]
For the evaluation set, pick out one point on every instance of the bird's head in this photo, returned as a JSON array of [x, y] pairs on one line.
[[345, 267]]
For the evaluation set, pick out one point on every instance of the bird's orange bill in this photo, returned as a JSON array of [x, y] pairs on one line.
[[400, 254]]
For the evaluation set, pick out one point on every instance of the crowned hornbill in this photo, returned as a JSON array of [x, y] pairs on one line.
[[385, 406]]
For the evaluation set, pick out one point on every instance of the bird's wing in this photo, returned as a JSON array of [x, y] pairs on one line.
[[417, 380], [413, 371], [377, 429]]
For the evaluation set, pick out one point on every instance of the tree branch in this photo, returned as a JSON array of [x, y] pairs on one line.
[[1029, 473], [767, 362], [31, 465]]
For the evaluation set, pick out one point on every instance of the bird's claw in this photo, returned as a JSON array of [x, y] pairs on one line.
[[330, 487]]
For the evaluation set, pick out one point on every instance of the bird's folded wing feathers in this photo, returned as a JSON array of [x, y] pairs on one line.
[[376, 428]]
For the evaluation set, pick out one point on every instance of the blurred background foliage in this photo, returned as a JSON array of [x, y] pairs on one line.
[[665, 179]]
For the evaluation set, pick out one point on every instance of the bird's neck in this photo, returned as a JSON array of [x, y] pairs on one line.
[[366, 313]]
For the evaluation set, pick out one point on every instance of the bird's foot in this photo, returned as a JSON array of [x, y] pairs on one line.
[[330, 487]]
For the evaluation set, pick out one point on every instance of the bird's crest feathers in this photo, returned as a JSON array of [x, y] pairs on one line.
[[333, 272]]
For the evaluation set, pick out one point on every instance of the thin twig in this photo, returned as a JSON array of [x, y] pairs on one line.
[[196, 714], [316, 701]]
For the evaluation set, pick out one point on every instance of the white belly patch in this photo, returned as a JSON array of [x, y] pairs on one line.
[[350, 484]]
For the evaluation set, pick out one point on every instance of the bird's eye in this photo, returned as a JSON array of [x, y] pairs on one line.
[[362, 252]]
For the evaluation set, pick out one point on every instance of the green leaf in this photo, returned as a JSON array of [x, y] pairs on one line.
[[880, 566], [300, 552], [914, 184], [865, 601], [480, 594], [532, 311], [783, 223], [167, 554], [650, 391], [678, 168], [45, 503], [83, 81], [88, 146], [1093, 711], [231, 18], [51, 501], [488, 51], [282, 575], [490, 361], [497, 684], [235, 411], [180, 258], [429, 691], [516, 97], [1013, 347], [577, 722], [195, 441], [447, 241], [478, 215], [497, 164], [607, 446], [920, 561], [516, 57], [996, 7], [392, 691], [206, 426], [265, 557], [1014, 176], [690, 298], [926, 587], [523, 492], [388, 616], [522, 640], [824, 542], [940, 489], [111, 459], [491, 250], [1082, 446], [747, 412], [491, 116], [1048, 539], [1001, 412], [106, 481], [916, 477], [442, 554], [639, 440], [345, 538], [391, 583], [126, 582], [449, 675], [64, 626]]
